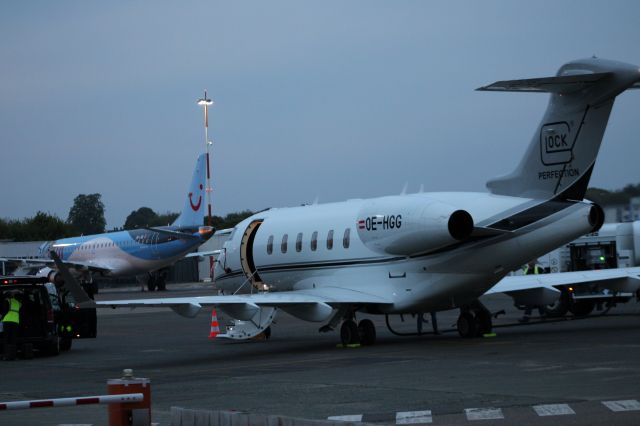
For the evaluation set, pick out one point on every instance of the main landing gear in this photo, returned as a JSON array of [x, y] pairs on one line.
[[154, 280], [364, 333], [474, 320]]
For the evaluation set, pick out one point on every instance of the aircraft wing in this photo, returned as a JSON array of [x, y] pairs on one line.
[[38, 261], [91, 266], [332, 296], [312, 304], [545, 286], [176, 234]]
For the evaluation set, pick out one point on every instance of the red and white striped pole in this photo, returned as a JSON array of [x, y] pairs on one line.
[[67, 402]]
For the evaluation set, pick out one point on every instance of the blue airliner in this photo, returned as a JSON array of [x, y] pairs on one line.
[[145, 252]]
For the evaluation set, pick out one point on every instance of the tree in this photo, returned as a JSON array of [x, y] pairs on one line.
[[166, 219], [142, 217], [87, 214], [621, 196], [229, 221], [42, 226], [145, 216]]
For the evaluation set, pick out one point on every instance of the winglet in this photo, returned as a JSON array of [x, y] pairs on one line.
[[71, 285]]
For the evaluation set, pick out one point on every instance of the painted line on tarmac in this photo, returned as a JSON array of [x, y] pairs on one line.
[[553, 410], [626, 405], [483, 413], [347, 418], [413, 417]]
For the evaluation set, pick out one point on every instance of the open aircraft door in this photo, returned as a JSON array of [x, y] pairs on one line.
[[246, 254]]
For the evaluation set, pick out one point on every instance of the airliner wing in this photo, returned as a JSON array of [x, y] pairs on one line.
[[176, 234], [91, 266], [40, 261], [620, 279]]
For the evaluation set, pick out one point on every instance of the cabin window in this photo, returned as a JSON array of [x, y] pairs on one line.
[[283, 246], [330, 240], [270, 244], [314, 241], [345, 238], [299, 242]]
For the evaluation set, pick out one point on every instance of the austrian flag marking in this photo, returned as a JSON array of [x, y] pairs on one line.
[[361, 224]]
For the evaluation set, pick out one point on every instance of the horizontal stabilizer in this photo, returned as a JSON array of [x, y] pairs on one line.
[[619, 279], [204, 253], [562, 84]]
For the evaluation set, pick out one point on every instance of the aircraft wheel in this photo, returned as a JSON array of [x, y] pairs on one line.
[[53, 348], [162, 284], [483, 323], [582, 308], [367, 332], [151, 284], [349, 333], [467, 325], [65, 343]]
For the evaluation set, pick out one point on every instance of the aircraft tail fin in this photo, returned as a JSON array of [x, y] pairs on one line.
[[562, 153], [193, 212]]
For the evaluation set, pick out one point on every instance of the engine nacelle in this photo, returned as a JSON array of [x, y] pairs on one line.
[[596, 217], [411, 225]]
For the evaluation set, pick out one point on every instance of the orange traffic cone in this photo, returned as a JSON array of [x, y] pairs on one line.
[[215, 329]]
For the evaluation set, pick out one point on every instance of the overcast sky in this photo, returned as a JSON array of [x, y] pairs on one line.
[[327, 99]]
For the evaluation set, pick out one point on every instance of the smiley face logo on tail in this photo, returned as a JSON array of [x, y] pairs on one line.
[[195, 207]]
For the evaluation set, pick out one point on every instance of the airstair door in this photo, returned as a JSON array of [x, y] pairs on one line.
[[246, 254]]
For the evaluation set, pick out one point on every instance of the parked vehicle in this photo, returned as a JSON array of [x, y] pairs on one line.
[[49, 318]]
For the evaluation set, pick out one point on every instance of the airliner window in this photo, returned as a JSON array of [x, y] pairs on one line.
[[345, 239], [314, 241], [299, 242], [283, 246], [270, 244], [330, 240]]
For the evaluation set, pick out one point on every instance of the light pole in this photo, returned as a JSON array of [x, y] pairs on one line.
[[206, 103]]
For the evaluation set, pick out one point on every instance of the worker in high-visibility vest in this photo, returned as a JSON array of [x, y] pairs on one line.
[[532, 268], [11, 323]]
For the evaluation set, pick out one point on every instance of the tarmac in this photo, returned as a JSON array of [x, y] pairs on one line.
[[565, 372]]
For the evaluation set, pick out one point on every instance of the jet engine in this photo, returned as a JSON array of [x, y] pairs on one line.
[[596, 217], [408, 225]]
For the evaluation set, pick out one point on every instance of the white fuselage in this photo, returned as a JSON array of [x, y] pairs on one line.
[[382, 246]]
